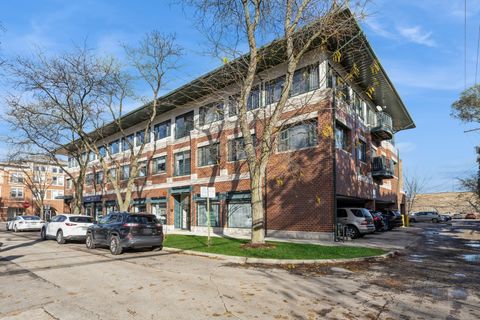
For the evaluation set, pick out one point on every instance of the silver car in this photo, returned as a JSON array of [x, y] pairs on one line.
[[425, 216], [358, 221]]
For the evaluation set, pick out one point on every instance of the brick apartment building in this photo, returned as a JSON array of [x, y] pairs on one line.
[[338, 151], [17, 182]]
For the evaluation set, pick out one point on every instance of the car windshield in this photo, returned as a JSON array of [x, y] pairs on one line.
[[81, 219], [30, 218], [141, 219]]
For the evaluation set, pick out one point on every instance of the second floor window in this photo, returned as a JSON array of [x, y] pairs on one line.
[[182, 163], [298, 136], [211, 113], [99, 177], [112, 172], [209, 155], [236, 149], [16, 193], [342, 137], [16, 177], [159, 165], [124, 172], [89, 179], [57, 180], [362, 151], [183, 125], [142, 169]]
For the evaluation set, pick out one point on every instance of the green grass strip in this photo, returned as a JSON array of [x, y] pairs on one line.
[[282, 250]]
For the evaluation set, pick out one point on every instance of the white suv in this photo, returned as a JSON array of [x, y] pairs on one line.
[[358, 221], [65, 227]]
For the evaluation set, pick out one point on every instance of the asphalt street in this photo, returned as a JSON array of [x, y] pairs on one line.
[[437, 278]]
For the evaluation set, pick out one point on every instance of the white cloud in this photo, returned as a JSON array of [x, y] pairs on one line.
[[417, 35], [378, 28]]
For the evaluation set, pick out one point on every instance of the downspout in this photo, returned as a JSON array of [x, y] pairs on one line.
[[334, 154], [265, 202]]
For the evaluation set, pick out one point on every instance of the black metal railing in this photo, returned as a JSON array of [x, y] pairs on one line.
[[383, 168], [383, 127]]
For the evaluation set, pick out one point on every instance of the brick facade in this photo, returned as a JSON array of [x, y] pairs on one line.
[[11, 205], [302, 187]]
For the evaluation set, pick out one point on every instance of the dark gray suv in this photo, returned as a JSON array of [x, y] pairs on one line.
[[120, 230]]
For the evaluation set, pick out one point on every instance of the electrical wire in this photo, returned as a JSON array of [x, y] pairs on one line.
[[465, 43], [478, 53]]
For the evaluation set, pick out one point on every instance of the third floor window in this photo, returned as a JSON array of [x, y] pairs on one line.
[[183, 125]]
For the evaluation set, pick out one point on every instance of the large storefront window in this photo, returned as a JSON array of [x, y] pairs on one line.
[[202, 214], [160, 211], [239, 215]]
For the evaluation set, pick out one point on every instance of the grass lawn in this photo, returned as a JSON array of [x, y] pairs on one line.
[[282, 250]]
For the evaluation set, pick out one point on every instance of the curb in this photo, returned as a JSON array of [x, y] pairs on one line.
[[247, 260]]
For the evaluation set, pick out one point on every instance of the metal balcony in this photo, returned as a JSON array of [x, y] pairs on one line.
[[382, 168], [383, 127]]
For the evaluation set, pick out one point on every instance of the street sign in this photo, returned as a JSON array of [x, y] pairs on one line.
[[207, 192], [26, 205]]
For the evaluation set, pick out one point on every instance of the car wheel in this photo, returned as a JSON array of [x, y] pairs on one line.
[[352, 232], [434, 220], [115, 247], [15, 228], [60, 238], [157, 248], [43, 234], [411, 220], [89, 242]]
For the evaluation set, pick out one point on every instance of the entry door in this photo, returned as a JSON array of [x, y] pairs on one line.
[[182, 211]]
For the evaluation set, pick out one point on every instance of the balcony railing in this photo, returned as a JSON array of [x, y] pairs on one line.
[[383, 168], [383, 127]]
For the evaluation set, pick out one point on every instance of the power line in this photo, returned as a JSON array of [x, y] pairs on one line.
[[465, 40], [478, 50]]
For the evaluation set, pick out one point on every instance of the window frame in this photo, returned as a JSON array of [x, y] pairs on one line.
[[312, 136], [202, 153], [176, 171], [155, 167], [168, 129], [203, 112], [188, 125]]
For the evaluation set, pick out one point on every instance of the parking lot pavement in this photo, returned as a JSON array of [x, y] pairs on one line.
[[436, 279]]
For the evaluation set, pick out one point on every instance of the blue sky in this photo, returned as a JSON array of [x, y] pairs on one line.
[[419, 43]]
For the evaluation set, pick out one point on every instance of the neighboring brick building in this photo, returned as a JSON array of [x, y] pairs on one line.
[[336, 151], [16, 187]]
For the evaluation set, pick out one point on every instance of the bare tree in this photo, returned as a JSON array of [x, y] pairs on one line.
[[52, 100], [155, 56], [414, 185], [300, 25]]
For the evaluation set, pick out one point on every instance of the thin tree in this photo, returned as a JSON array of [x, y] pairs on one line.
[[154, 58], [53, 99], [414, 185], [300, 25]]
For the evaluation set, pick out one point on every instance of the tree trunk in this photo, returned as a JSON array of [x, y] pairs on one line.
[[258, 212]]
